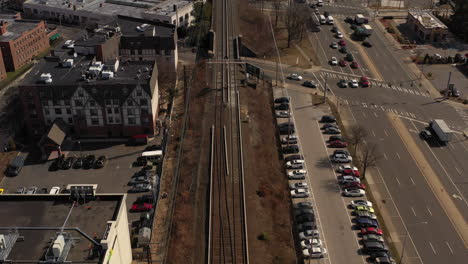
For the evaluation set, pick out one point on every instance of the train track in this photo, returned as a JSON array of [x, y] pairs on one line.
[[227, 218]]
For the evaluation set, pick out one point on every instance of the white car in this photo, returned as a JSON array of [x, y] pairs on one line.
[[314, 252], [69, 44], [299, 193], [354, 192], [339, 35], [341, 158], [291, 139], [297, 172], [348, 178], [354, 84], [295, 77], [55, 190], [298, 185], [309, 234], [282, 114], [334, 45], [295, 164], [308, 243], [334, 61], [355, 203], [346, 167]]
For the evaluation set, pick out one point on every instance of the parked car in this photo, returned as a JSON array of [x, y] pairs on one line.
[[303, 211], [364, 208], [364, 81], [32, 190], [298, 185], [282, 100], [295, 77], [284, 106], [78, 163], [334, 29], [55, 190], [342, 43], [297, 174], [141, 179], [354, 84], [367, 44], [21, 190], [343, 63], [353, 186], [355, 203], [309, 234], [314, 252], [145, 199], [348, 178], [286, 130], [142, 207], [303, 205], [341, 158], [15, 166], [141, 187], [67, 163], [304, 218], [328, 119], [374, 246], [295, 164], [353, 192], [426, 134], [338, 144], [299, 193], [349, 57], [371, 230], [348, 170], [153, 147], [354, 65], [282, 114], [310, 84], [339, 151], [309, 243], [334, 138], [291, 139], [339, 35], [332, 130], [306, 226], [327, 125], [333, 61], [366, 222], [100, 162], [343, 49], [294, 157], [333, 45], [366, 215], [372, 237], [88, 162], [342, 83]]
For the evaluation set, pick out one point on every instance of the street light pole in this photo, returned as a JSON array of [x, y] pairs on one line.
[[404, 241]]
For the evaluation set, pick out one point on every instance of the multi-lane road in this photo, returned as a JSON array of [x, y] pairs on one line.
[[421, 214]]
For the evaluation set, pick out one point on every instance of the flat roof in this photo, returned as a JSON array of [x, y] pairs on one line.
[[129, 72], [50, 211], [17, 27], [427, 19], [128, 27]]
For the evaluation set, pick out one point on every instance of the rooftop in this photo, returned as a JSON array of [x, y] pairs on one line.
[[428, 20], [133, 27], [16, 28], [50, 212], [131, 72]]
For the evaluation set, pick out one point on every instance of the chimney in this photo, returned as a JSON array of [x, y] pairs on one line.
[[3, 27]]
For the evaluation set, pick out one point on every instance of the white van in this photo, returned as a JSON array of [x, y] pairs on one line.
[[152, 155], [330, 20], [323, 21]]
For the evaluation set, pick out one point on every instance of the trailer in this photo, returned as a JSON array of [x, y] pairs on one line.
[[361, 19], [442, 130]]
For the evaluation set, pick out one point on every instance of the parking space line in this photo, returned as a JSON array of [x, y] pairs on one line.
[[414, 212], [385, 131], [458, 170], [448, 245], [398, 181], [412, 181], [375, 114], [385, 156], [433, 249], [364, 114], [373, 133], [398, 155], [429, 210]]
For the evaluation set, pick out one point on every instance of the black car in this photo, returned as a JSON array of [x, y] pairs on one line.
[[145, 199], [328, 119], [305, 218], [303, 205], [343, 49], [426, 134], [67, 163], [56, 164], [100, 162], [78, 163], [286, 124], [310, 84], [335, 138], [282, 107], [306, 226], [291, 149], [366, 44], [281, 100], [294, 157], [303, 211], [349, 57], [328, 125], [349, 20], [326, 14], [88, 162], [374, 246], [342, 83], [313, 6], [334, 29]]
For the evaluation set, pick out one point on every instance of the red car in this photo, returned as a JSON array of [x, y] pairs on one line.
[[143, 207], [342, 43], [371, 230], [343, 63], [354, 173], [338, 144], [364, 81], [354, 65], [353, 185]]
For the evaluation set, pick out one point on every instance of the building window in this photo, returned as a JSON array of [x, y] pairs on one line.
[[138, 92], [56, 102], [143, 102], [33, 116], [94, 121], [93, 112], [70, 120], [116, 102], [46, 111], [131, 121], [129, 102], [92, 103], [78, 103], [80, 94], [117, 120], [68, 111], [130, 112], [144, 111], [145, 120], [110, 120], [108, 102], [44, 103], [109, 110]]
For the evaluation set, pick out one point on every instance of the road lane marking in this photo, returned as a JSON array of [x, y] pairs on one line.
[[373, 133], [398, 155], [397, 180], [412, 181], [458, 170], [375, 114], [385, 131], [433, 249], [448, 245], [429, 210], [414, 212], [385, 156], [364, 115]]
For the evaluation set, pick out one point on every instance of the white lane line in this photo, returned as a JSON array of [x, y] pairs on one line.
[[414, 212], [429, 210], [373, 133], [364, 115], [433, 249], [375, 114], [398, 181], [383, 109], [385, 131], [398, 155], [458, 170], [448, 245], [412, 181], [413, 115], [385, 156]]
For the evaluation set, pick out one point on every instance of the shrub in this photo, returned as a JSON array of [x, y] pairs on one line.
[[263, 236]]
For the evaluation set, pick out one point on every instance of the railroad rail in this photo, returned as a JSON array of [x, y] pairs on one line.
[[227, 238]]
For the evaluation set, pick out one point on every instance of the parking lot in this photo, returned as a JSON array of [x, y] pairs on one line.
[[335, 220], [112, 178]]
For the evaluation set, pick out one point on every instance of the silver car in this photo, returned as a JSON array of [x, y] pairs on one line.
[[353, 192], [300, 193], [32, 190], [298, 185]]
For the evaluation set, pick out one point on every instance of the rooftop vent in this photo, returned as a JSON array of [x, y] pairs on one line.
[[142, 27], [46, 78], [106, 75], [57, 247]]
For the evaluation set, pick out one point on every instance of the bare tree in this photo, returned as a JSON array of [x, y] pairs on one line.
[[296, 21], [369, 158], [356, 136], [277, 8]]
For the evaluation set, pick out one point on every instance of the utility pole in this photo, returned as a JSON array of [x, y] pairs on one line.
[[325, 89], [276, 75], [448, 83]]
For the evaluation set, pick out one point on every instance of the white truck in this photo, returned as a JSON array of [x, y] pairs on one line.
[[441, 129], [361, 19]]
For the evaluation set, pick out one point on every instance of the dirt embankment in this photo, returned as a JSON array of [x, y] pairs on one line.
[[268, 203]]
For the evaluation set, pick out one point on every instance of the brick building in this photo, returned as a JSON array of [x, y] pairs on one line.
[[21, 40], [2, 68], [95, 98], [427, 26]]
